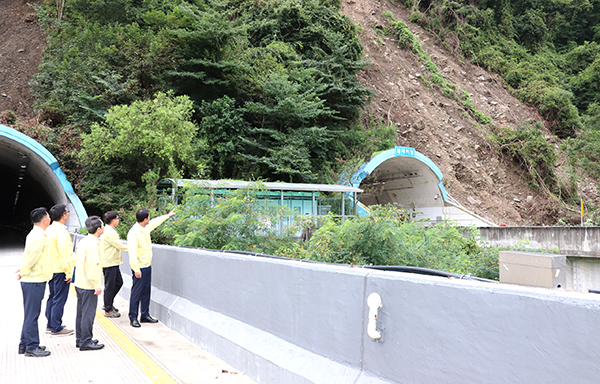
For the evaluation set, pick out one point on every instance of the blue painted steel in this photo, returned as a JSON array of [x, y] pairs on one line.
[[367, 168], [45, 155]]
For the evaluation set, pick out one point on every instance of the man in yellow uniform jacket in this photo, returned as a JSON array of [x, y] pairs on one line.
[[88, 284], [111, 258], [139, 248], [36, 270], [61, 251]]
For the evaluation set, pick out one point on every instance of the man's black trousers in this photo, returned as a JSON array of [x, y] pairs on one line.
[[140, 294], [113, 281]]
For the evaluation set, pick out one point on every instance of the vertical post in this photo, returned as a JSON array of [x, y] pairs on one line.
[[343, 207], [281, 217], [582, 212], [314, 205]]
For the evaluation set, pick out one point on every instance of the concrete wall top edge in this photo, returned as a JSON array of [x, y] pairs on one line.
[[502, 288]]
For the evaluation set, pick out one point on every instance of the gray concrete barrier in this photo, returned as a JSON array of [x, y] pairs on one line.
[[288, 321], [568, 241]]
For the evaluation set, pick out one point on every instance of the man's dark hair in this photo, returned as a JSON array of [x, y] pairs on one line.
[[38, 214], [110, 216], [57, 211], [92, 224], [142, 214]]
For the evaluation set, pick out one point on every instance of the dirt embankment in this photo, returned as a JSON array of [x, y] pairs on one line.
[[22, 45], [474, 174]]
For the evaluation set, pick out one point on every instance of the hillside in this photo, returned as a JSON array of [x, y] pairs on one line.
[[22, 44], [474, 174]]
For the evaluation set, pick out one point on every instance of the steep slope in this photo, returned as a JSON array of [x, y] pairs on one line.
[[474, 174], [439, 127], [22, 44]]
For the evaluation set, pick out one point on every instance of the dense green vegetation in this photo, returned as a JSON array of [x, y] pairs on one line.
[[241, 221], [272, 86], [139, 90]]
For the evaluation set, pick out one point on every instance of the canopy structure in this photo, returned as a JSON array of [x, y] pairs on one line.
[[272, 186], [307, 200], [404, 176], [32, 178]]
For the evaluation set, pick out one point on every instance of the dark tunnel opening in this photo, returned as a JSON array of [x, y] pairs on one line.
[[17, 199]]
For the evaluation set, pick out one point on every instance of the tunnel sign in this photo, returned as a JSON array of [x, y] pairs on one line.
[[405, 151]]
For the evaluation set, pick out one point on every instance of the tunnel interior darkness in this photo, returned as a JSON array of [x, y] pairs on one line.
[[31, 178], [17, 199]]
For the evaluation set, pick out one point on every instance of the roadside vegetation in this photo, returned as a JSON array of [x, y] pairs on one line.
[[240, 221]]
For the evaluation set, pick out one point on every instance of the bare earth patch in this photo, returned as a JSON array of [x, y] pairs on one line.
[[442, 129]]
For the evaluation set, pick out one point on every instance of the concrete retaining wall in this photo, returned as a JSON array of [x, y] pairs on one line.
[[283, 321], [569, 241]]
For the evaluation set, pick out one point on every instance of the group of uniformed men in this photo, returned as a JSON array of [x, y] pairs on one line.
[[49, 257]]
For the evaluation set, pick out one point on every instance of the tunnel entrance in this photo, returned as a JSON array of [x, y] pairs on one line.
[[405, 177], [17, 198], [31, 178]]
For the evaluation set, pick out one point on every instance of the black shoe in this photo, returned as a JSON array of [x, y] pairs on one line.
[[91, 346], [22, 349], [38, 352], [135, 323], [77, 345], [148, 320]]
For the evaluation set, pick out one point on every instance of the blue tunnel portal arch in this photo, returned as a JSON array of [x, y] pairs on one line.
[[32, 178], [404, 176]]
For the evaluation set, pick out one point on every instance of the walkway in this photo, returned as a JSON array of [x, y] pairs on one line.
[[150, 354]]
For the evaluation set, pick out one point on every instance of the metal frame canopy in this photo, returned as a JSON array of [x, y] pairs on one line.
[[401, 175], [289, 193], [30, 160], [273, 186]]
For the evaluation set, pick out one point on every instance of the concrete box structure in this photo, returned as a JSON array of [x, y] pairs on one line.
[[533, 269]]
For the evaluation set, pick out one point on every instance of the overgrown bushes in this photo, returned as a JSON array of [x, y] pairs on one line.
[[529, 148], [239, 220], [273, 85]]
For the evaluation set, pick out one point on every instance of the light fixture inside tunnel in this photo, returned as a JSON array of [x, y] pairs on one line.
[[31, 178], [23, 159]]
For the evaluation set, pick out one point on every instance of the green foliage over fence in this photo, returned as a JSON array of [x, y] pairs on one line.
[[239, 221]]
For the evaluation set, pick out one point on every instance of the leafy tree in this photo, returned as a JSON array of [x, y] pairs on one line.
[[221, 131], [233, 220], [139, 143]]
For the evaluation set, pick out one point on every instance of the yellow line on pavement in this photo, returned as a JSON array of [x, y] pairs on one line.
[[135, 353], [146, 364]]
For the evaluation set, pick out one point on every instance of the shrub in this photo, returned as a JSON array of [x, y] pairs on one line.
[[528, 146]]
